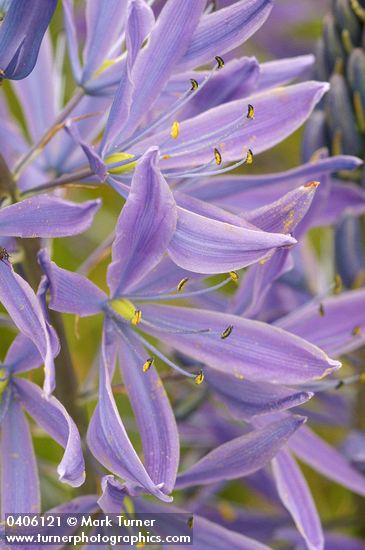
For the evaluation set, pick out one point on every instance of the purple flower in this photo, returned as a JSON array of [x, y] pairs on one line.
[[19, 474], [39, 216], [209, 115], [145, 231], [22, 27]]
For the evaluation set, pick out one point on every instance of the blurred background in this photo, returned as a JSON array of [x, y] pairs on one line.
[[293, 28]]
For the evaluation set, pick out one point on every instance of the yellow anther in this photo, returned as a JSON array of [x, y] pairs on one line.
[[338, 284], [194, 84], [120, 157], [137, 317], [356, 331], [191, 522], [181, 284], [234, 276], [321, 310], [249, 157], [220, 61], [250, 111], [199, 379], [362, 377], [175, 130], [227, 332], [148, 364], [166, 157], [217, 156]]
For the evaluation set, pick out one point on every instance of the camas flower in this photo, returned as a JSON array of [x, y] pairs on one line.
[[210, 122], [22, 26], [146, 229], [40, 216], [19, 474]]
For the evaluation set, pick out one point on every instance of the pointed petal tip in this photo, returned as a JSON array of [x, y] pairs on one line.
[[333, 366], [73, 482], [311, 185], [299, 419]]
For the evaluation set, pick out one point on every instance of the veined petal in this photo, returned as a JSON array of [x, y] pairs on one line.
[[254, 350], [73, 47], [24, 308], [249, 192], [277, 115], [245, 399], [283, 215], [297, 499], [168, 41], [23, 355], [204, 245], [340, 330], [238, 80], [317, 453], [224, 30], [241, 456], [104, 27], [144, 229], [204, 208], [281, 71], [258, 281], [154, 415], [54, 419], [107, 437], [140, 20], [71, 292], [47, 216], [21, 35], [19, 475]]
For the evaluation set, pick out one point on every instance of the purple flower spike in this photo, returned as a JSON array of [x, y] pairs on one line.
[[21, 35]]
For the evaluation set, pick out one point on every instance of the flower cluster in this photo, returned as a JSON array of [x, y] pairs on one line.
[[220, 328]]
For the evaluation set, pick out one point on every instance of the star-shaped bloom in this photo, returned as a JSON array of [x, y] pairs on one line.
[[147, 228]]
